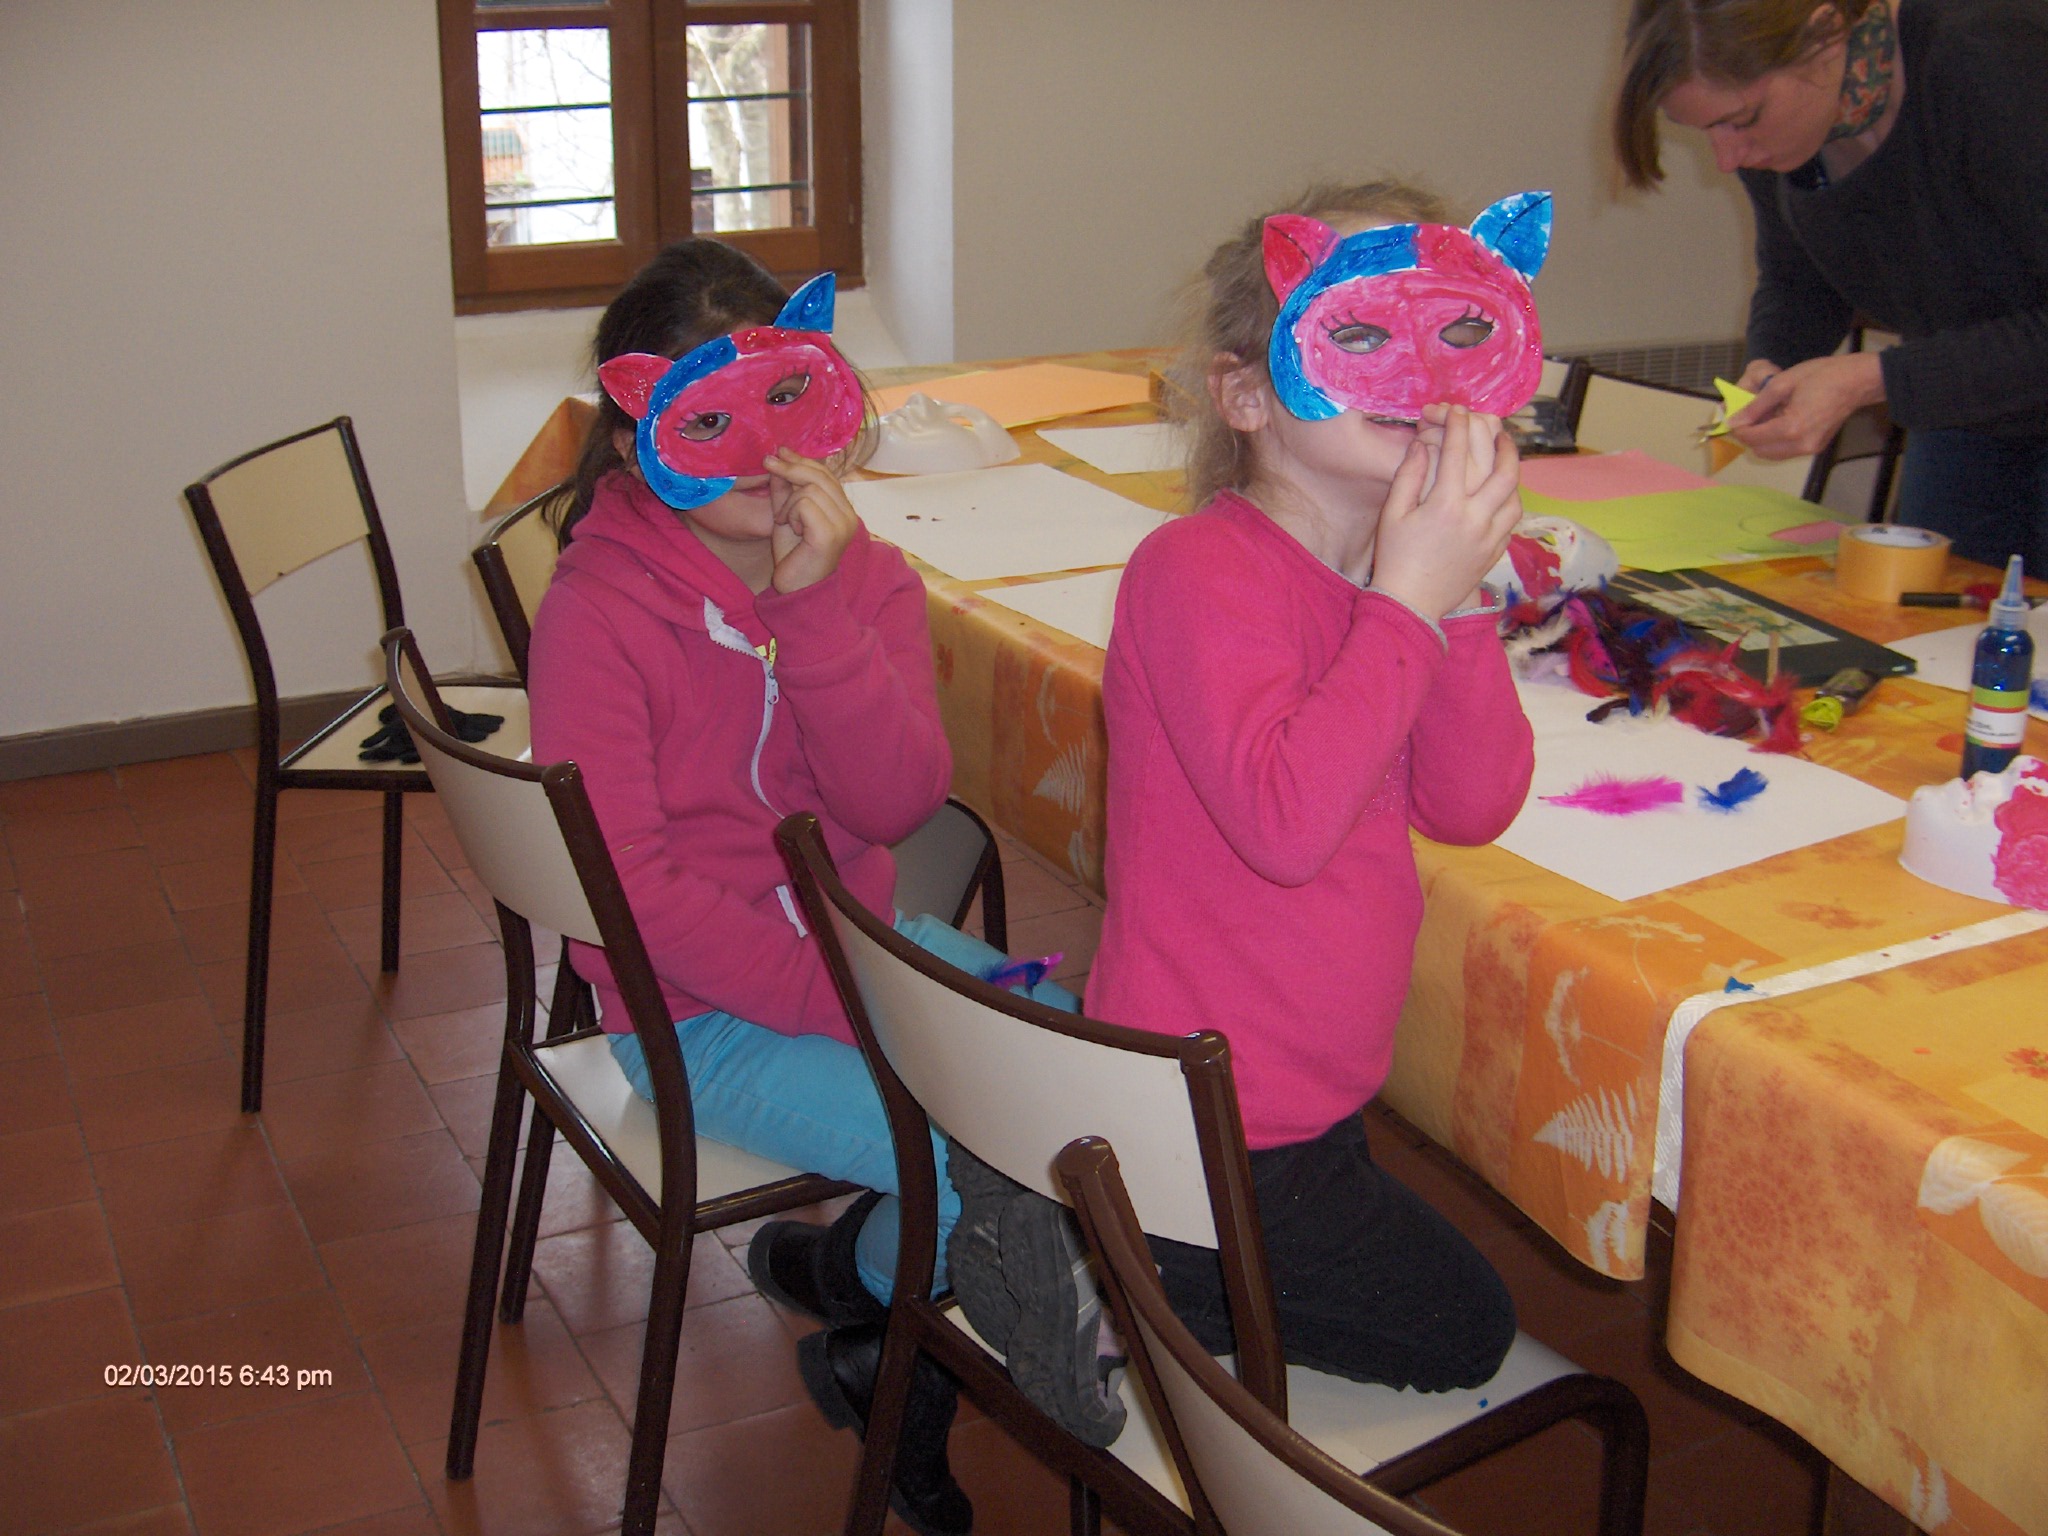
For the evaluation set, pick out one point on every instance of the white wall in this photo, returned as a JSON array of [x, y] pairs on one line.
[[223, 222], [907, 147], [1103, 147]]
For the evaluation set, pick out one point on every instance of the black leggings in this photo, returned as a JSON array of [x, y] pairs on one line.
[[1371, 1282]]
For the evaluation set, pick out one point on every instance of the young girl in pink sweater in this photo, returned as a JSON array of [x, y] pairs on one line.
[[723, 645], [1299, 673]]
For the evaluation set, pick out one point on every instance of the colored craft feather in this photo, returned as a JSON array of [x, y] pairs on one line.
[[1746, 784], [1610, 796], [1644, 660]]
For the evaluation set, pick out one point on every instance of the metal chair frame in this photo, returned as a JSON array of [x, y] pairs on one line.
[[276, 769], [489, 796], [1173, 1096]]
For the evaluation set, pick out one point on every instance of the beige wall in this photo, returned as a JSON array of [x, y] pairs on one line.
[[907, 149], [223, 222], [1103, 147]]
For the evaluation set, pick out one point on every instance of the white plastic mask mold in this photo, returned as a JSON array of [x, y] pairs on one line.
[[924, 436]]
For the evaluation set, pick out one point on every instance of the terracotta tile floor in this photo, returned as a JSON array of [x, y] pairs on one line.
[[142, 1218]]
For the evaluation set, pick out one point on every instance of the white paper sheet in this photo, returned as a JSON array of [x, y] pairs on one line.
[[1021, 520], [1629, 856], [1082, 606], [1133, 450], [1944, 655]]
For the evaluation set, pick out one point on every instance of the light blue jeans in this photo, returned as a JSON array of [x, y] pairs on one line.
[[810, 1102]]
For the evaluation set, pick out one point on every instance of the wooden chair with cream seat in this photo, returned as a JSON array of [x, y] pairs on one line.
[[941, 868], [1617, 415], [262, 517], [534, 842], [1020, 1081], [517, 561], [1248, 1472]]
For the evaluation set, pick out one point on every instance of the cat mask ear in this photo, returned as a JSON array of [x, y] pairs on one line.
[[1295, 246], [1517, 228], [630, 378], [810, 307]]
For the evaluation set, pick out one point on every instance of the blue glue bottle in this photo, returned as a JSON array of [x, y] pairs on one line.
[[1999, 679]]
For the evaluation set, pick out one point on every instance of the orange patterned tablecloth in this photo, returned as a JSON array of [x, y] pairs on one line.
[[1811, 1281]]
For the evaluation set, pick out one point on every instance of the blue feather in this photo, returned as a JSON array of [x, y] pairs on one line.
[[1747, 784]]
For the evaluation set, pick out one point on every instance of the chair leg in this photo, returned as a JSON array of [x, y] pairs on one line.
[[394, 851], [483, 1272], [884, 1432], [533, 1188], [256, 970], [995, 917], [657, 1388], [565, 1016], [1084, 1509], [1624, 1461]]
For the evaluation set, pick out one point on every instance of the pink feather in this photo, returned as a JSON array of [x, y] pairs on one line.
[[1610, 796]]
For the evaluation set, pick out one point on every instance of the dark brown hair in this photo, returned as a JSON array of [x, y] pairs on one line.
[[1734, 42], [1228, 319], [690, 292]]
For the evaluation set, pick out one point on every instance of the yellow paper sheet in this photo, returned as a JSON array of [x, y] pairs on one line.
[[1017, 397], [1676, 530]]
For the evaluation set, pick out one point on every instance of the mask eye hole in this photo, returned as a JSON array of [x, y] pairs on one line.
[[704, 427], [1467, 332], [1359, 337], [790, 390]]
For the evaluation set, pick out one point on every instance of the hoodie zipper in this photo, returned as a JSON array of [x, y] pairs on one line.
[[726, 636]]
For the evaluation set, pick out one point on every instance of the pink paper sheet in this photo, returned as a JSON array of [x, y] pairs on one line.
[[1601, 476]]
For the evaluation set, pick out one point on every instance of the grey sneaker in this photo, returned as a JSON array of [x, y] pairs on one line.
[[974, 1261], [1053, 1352]]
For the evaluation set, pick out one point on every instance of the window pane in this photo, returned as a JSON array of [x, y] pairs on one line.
[[750, 127], [547, 129]]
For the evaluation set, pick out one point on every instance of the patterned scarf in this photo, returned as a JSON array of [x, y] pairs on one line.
[[1866, 72]]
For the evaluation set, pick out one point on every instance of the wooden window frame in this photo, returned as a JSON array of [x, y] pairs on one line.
[[651, 151]]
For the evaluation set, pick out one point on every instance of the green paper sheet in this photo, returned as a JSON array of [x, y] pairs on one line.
[[1676, 530]]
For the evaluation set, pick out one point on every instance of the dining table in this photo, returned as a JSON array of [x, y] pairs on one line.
[[1834, 1072]]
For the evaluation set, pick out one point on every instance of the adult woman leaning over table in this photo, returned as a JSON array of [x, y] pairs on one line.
[[1896, 154]]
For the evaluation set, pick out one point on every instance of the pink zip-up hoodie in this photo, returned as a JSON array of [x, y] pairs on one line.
[[701, 715]]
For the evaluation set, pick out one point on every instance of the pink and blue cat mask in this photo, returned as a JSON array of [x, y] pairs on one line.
[[717, 412], [1389, 320]]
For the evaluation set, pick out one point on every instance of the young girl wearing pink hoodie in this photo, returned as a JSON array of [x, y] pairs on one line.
[[720, 648]]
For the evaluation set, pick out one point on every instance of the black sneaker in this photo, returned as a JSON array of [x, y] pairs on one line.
[[974, 1260], [1053, 1355]]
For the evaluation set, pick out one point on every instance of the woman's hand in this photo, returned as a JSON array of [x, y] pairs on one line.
[[1798, 410], [814, 521], [1449, 513]]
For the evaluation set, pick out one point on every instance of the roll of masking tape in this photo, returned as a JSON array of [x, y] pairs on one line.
[[1878, 561]]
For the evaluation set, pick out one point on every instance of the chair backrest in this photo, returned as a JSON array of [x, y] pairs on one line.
[[517, 561], [500, 809], [283, 505], [1247, 1471], [277, 508], [1016, 1081], [1619, 414], [941, 865]]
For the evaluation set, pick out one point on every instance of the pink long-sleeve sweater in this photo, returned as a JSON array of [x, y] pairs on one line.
[[1274, 732], [651, 667]]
